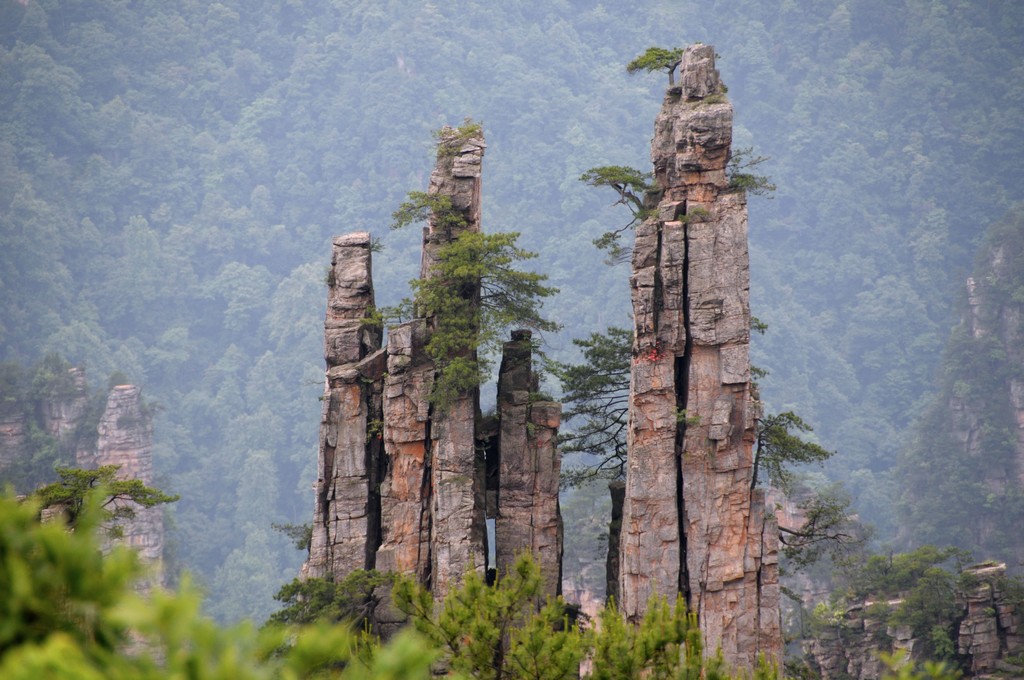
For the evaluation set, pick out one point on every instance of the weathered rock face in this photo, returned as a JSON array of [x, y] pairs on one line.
[[456, 175], [63, 413], [991, 628], [691, 522], [989, 633], [454, 476], [528, 517], [126, 440], [346, 519], [380, 429], [405, 493], [59, 415]]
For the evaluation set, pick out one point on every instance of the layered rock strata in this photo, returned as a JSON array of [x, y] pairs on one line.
[[403, 483], [989, 636], [990, 632], [126, 440], [346, 517], [691, 521], [59, 414], [528, 517]]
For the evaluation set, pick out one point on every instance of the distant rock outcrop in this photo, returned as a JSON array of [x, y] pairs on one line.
[[962, 477], [123, 436], [58, 413], [989, 633], [402, 485], [126, 440], [691, 522]]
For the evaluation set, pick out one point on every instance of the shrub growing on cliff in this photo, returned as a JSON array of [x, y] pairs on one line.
[[473, 297], [119, 496], [740, 176], [475, 292], [351, 600], [658, 59], [634, 189], [68, 610]]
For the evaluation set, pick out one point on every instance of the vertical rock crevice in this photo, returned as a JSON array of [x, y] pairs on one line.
[[345, 519], [419, 478], [691, 522], [126, 440]]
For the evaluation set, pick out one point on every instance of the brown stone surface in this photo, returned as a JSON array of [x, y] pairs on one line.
[[126, 440], [346, 514], [528, 517], [458, 537], [989, 634], [691, 522], [428, 519], [457, 175], [405, 492]]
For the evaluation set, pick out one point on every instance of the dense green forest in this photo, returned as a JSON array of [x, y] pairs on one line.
[[171, 175]]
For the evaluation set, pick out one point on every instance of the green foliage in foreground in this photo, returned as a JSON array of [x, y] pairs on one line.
[[67, 610], [350, 600], [504, 631]]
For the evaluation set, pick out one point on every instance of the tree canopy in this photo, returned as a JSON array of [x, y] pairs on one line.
[[658, 59], [596, 398], [71, 491]]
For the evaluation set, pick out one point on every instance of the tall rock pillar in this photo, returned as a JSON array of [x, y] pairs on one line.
[[528, 516], [691, 521], [457, 477], [126, 440], [346, 516], [433, 494]]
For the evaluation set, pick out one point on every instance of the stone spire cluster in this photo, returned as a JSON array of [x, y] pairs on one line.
[[403, 485], [410, 488], [691, 521]]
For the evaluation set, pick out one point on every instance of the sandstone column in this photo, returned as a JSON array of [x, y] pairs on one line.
[[126, 440], [457, 477], [405, 493], [346, 515], [691, 522], [428, 518], [528, 517]]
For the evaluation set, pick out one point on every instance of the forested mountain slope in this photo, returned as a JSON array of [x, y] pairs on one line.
[[171, 175], [962, 477]]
